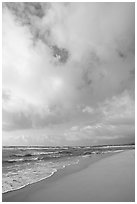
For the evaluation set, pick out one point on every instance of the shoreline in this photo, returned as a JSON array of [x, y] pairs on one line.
[[27, 193], [83, 163], [79, 159], [29, 184]]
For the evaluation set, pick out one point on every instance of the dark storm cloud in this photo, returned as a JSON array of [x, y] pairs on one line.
[[25, 11], [27, 14], [61, 54]]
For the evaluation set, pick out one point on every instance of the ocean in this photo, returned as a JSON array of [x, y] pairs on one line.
[[24, 165]]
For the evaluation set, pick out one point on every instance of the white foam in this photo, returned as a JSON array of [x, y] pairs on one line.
[[32, 175]]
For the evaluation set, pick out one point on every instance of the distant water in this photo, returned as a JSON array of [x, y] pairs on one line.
[[23, 165]]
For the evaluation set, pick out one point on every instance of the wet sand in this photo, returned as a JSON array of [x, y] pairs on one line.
[[100, 179]]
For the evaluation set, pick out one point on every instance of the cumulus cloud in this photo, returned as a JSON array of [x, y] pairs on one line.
[[119, 109], [115, 119], [58, 57], [88, 110]]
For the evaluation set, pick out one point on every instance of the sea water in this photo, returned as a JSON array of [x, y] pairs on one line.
[[24, 165]]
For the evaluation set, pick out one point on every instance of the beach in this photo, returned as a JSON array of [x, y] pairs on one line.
[[107, 179]]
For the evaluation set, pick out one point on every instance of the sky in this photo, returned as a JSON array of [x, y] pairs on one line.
[[68, 73]]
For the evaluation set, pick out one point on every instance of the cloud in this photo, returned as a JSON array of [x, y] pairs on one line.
[[117, 118], [58, 57], [18, 114], [74, 128], [113, 119], [88, 110], [120, 109]]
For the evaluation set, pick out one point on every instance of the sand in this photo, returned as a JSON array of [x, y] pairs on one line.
[[111, 179]]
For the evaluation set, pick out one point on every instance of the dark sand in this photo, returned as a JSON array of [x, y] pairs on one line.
[[111, 179]]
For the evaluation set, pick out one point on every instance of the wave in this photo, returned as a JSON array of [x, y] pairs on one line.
[[21, 155], [34, 180], [45, 153], [20, 160], [24, 185], [29, 159], [112, 151], [33, 154], [32, 148]]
